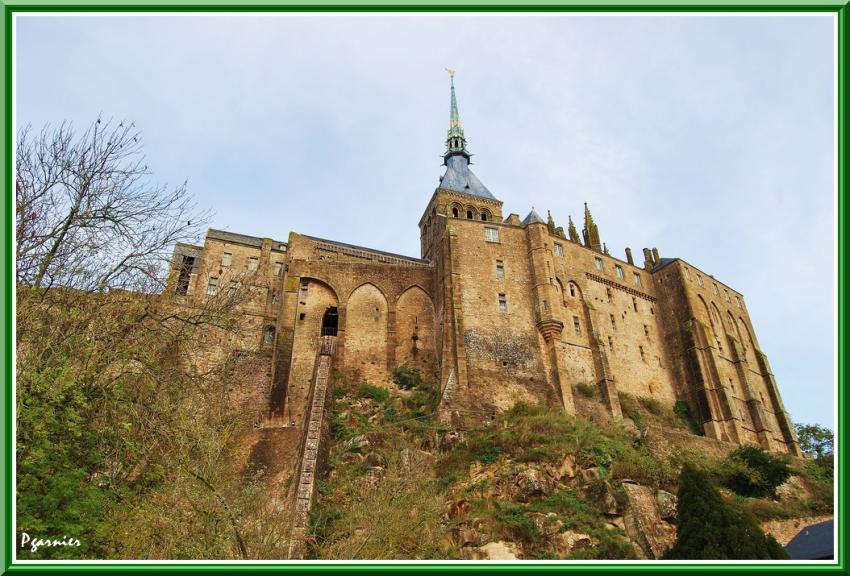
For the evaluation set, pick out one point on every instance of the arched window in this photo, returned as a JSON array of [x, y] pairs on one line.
[[469, 215], [572, 290], [268, 335], [455, 211], [484, 216]]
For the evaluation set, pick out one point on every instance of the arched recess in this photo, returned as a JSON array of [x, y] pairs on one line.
[[731, 327], [707, 316], [471, 213], [456, 210], [366, 334], [561, 293], [576, 315], [414, 333], [716, 320], [748, 343], [315, 297]]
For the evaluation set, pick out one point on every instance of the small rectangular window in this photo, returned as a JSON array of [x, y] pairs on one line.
[[716, 291], [637, 279], [634, 303], [278, 268], [491, 234], [559, 250], [212, 286], [687, 273], [699, 281], [646, 330], [613, 322], [253, 263], [726, 294], [599, 265], [500, 269], [226, 260], [642, 354], [619, 270], [186, 268], [577, 324], [233, 287], [610, 344], [737, 302], [503, 303]]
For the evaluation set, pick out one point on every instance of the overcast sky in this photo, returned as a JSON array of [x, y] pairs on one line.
[[709, 137]]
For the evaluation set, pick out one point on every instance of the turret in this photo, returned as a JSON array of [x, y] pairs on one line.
[[591, 231]]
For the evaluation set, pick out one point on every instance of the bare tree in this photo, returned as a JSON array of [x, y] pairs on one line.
[[88, 215]]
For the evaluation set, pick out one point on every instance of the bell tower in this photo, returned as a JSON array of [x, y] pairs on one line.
[[460, 194]]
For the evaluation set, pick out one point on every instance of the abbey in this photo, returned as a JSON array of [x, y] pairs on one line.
[[497, 309]]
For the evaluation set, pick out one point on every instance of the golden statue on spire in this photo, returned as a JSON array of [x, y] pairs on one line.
[[451, 72]]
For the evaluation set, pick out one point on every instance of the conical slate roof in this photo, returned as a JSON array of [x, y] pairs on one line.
[[533, 218], [459, 178]]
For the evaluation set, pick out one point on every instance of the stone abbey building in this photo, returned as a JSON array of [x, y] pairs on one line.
[[497, 309]]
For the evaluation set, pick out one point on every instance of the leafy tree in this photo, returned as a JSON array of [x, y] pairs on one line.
[[709, 529], [752, 471], [128, 439], [815, 439]]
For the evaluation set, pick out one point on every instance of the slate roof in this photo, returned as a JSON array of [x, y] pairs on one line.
[[533, 218], [812, 543], [459, 178]]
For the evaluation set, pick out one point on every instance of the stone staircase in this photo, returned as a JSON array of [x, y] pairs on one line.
[[314, 448]]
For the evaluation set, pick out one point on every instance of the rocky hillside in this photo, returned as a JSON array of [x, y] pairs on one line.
[[532, 484]]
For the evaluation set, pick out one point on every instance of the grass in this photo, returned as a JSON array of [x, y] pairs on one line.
[[404, 514], [587, 389], [535, 434], [356, 514]]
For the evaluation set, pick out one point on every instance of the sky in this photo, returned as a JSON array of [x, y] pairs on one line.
[[708, 137]]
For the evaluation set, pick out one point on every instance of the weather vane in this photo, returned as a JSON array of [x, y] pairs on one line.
[[451, 72]]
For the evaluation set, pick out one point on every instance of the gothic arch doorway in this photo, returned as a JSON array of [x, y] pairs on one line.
[[330, 321]]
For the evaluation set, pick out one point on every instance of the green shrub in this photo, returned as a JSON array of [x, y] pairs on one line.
[[586, 389], [515, 523], [339, 431], [653, 406], [628, 403], [366, 390], [752, 471], [683, 411], [406, 377], [710, 529]]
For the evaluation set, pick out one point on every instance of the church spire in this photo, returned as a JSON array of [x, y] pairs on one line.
[[591, 231], [455, 140], [573, 232]]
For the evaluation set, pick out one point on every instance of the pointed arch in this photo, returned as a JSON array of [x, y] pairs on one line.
[[733, 327], [717, 319], [561, 290], [414, 329], [366, 334], [707, 314], [316, 281], [363, 285]]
